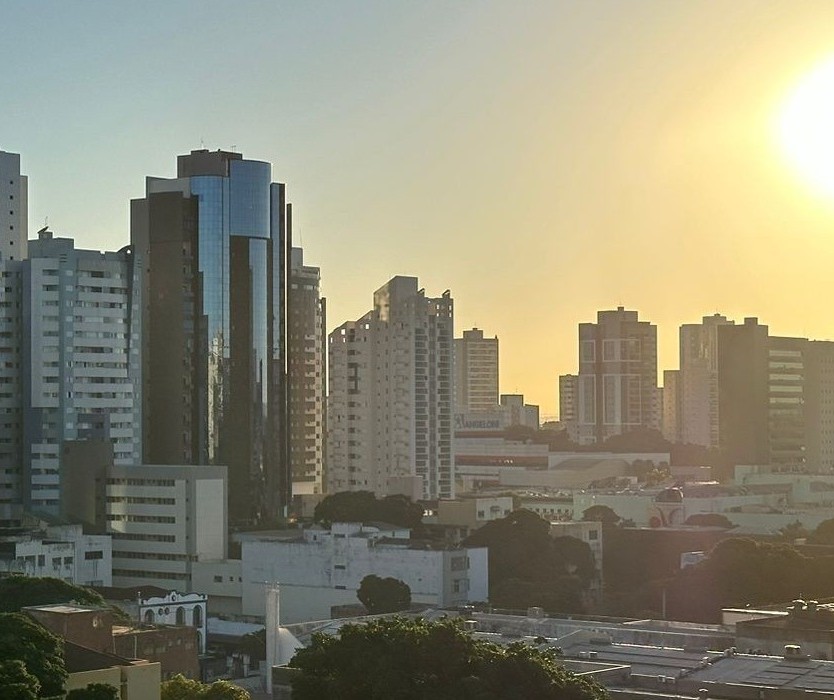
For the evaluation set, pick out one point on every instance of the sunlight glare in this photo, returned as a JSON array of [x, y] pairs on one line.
[[806, 127]]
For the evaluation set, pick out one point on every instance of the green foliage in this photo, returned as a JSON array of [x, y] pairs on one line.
[[363, 507], [16, 683], [95, 691], [739, 572], [18, 592], [182, 688], [41, 652], [709, 520], [398, 658], [254, 645], [601, 514], [528, 567], [793, 531], [383, 595], [823, 534]]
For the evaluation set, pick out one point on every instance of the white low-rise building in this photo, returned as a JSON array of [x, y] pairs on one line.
[[319, 569], [63, 552]]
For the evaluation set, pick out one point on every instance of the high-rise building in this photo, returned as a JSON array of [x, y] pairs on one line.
[[307, 377], [699, 423], [617, 376], [671, 403], [819, 404], [569, 404], [389, 421], [215, 244], [14, 215], [73, 342], [476, 372], [514, 412]]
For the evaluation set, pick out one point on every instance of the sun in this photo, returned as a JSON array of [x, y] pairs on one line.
[[806, 128]]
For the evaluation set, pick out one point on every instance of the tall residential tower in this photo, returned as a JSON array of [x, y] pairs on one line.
[[476, 372], [389, 412], [14, 216]]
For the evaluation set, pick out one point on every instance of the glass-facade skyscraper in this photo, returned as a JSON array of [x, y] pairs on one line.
[[215, 242]]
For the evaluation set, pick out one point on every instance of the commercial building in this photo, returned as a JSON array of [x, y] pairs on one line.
[[476, 372], [389, 407], [70, 326], [14, 214], [319, 569], [306, 339], [516, 412], [215, 244], [617, 376], [59, 551]]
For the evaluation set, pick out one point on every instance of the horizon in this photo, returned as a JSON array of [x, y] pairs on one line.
[[543, 161]]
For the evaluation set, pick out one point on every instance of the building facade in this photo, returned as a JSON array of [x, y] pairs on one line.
[[569, 404], [698, 385], [14, 214], [306, 336], [476, 372], [671, 403], [389, 407], [617, 376], [79, 372], [215, 241], [321, 568]]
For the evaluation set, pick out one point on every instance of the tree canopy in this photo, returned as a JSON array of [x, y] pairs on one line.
[[601, 514], [528, 567], [383, 595], [823, 534], [182, 688], [363, 506], [709, 520], [18, 592], [95, 691], [16, 683], [41, 652], [395, 657]]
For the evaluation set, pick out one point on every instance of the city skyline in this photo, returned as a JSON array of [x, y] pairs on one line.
[[530, 158]]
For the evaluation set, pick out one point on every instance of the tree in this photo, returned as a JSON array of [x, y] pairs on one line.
[[254, 645], [363, 506], [182, 688], [601, 514], [709, 520], [95, 691], [395, 657], [16, 683], [823, 534], [383, 595], [528, 567], [39, 650], [18, 592]]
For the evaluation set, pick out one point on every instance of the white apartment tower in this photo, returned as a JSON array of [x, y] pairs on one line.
[[617, 376], [79, 361], [698, 381], [389, 411], [14, 216], [476, 372], [307, 376]]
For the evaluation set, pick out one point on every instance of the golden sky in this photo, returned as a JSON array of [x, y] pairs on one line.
[[542, 160]]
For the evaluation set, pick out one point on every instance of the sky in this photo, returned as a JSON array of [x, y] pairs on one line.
[[542, 160]]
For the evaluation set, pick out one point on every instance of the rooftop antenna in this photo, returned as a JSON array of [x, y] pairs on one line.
[[234, 148], [202, 144]]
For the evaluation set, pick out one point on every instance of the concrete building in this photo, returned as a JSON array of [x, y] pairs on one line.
[[698, 422], [476, 372], [163, 518], [569, 404], [215, 243], [71, 335], [390, 402], [14, 213], [60, 551], [516, 412], [470, 513], [617, 376], [306, 340], [318, 569], [671, 415]]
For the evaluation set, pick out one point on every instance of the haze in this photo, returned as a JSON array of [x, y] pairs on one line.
[[542, 160]]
